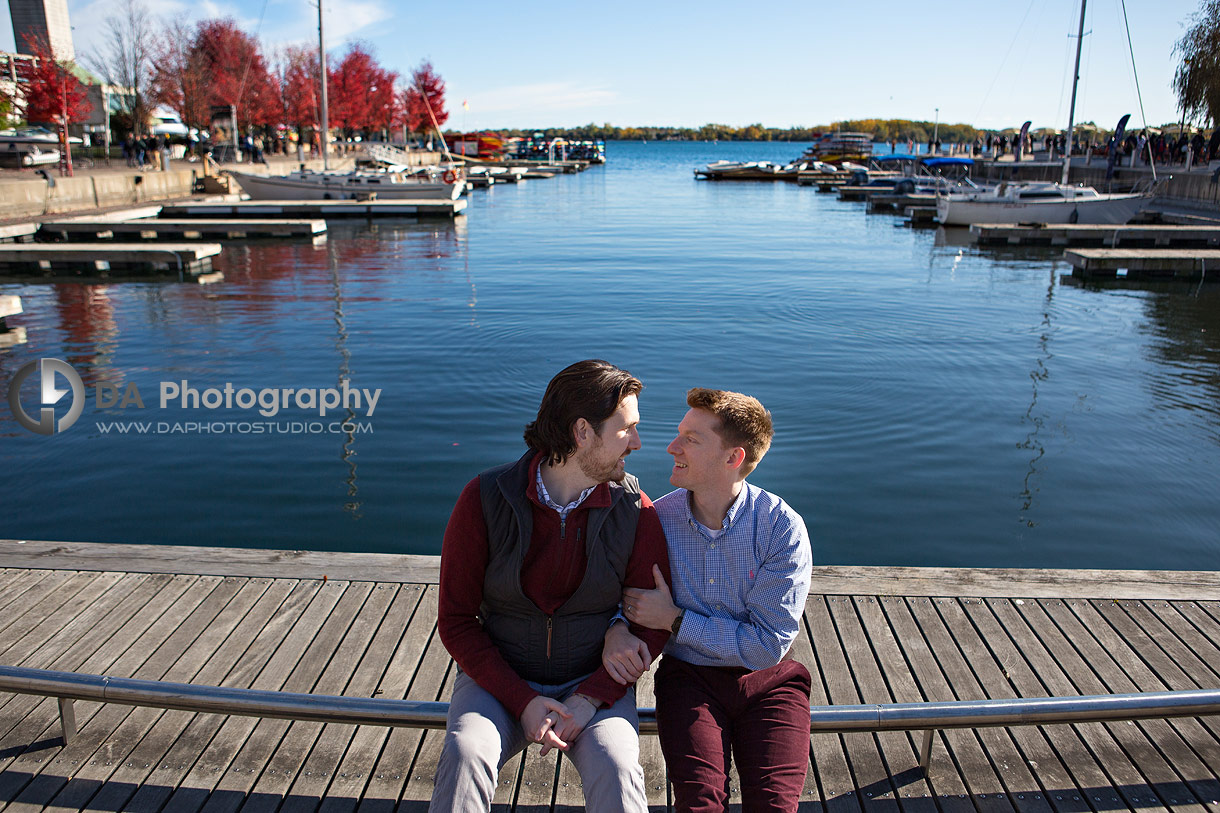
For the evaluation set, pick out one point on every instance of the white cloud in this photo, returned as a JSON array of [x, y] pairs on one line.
[[540, 97]]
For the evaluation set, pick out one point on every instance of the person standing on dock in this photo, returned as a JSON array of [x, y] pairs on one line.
[[727, 687], [533, 563]]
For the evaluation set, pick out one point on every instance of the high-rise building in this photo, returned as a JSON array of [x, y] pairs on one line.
[[43, 18]]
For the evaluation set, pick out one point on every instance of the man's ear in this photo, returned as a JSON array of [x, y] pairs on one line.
[[737, 456], [582, 432]]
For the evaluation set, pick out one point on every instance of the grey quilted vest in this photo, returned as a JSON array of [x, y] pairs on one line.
[[574, 634]]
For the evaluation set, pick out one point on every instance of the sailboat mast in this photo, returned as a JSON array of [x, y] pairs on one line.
[[326, 108], [1075, 81]]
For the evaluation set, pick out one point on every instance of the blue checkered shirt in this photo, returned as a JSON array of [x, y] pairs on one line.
[[743, 592]]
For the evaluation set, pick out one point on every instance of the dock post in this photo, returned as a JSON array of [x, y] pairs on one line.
[[67, 719], [925, 753]]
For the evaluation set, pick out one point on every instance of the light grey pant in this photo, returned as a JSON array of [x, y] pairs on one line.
[[482, 735]]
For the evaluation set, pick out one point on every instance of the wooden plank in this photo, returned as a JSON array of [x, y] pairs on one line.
[[277, 608], [357, 769], [967, 779], [312, 670], [317, 208], [1114, 744], [1079, 234], [424, 657], [72, 633], [906, 784], [421, 772], [987, 655], [273, 663], [150, 763], [210, 561], [536, 788], [142, 619], [22, 595], [1120, 669], [101, 749], [827, 580], [868, 769], [1033, 672], [304, 764], [828, 761], [46, 609]]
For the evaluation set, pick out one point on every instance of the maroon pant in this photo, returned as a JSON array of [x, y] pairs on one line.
[[707, 715]]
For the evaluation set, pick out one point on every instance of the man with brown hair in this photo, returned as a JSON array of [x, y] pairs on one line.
[[533, 563], [741, 561]]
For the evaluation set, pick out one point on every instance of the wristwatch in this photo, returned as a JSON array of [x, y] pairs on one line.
[[677, 625]]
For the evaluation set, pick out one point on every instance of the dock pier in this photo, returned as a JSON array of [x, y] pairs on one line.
[[363, 625]]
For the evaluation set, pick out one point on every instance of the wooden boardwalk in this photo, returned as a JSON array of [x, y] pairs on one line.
[[364, 625]]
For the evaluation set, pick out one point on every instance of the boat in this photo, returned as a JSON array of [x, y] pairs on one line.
[[1038, 202], [426, 183], [834, 148], [1042, 201]]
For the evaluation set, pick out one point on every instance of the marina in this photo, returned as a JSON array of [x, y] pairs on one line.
[[363, 625]]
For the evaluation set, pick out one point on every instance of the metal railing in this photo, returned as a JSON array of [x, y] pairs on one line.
[[928, 717]]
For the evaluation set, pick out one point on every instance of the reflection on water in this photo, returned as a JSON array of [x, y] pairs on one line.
[[924, 392]]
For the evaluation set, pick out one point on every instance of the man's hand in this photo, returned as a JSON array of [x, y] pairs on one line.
[[541, 717], [582, 710], [654, 609], [625, 656]]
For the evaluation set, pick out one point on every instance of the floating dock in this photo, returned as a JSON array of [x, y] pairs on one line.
[[1144, 262], [56, 261], [181, 228], [18, 232], [315, 209], [890, 202], [1131, 236], [364, 625]]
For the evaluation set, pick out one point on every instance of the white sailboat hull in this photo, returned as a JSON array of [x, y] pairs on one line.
[[962, 210], [346, 186]]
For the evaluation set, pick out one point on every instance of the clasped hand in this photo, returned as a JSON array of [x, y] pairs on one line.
[[555, 724]]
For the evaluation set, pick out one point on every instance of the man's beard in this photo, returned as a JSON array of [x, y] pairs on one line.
[[597, 468]]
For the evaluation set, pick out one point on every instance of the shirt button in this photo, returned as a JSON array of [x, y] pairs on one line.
[[711, 581], [713, 546]]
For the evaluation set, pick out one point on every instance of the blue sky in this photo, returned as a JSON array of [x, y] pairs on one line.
[[554, 64]]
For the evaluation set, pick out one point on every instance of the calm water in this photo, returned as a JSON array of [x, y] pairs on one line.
[[935, 405]]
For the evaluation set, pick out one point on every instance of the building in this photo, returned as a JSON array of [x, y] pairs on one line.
[[43, 18]]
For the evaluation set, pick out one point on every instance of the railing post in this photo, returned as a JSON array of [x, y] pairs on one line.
[[925, 753], [67, 719]]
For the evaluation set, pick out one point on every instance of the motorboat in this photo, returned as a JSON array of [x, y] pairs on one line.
[[424, 183], [751, 171], [1038, 202], [839, 147]]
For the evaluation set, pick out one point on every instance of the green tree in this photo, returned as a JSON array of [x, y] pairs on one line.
[[1197, 80]]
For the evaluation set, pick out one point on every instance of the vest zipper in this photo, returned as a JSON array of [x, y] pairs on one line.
[[563, 526], [548, 637]]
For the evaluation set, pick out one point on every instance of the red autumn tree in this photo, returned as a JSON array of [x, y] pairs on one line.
[[298, 76], [180, 78], [426, 94], [362, 93], [53, 94], [237, 73]]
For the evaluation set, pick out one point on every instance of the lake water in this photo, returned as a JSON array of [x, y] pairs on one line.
[[934, 404]]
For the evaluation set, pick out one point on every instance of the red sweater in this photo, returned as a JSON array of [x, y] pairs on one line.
[[552, 570]]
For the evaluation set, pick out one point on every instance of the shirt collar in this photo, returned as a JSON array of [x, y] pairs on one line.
[[730, 516], [597, 496]]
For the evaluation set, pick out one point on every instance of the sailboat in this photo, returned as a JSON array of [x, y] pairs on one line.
[[1043, 202], [392, 181]]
